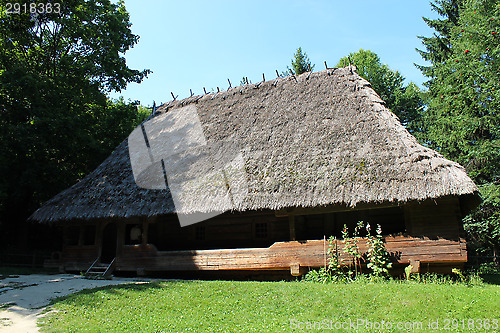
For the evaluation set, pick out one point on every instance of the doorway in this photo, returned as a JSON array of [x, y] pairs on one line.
[[108, 245]]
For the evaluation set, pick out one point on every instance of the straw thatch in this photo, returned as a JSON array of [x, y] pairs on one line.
[[316, 139]]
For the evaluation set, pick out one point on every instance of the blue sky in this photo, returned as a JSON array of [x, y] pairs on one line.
[[196, 44]]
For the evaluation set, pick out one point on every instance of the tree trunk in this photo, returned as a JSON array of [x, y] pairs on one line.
[[496, 254]]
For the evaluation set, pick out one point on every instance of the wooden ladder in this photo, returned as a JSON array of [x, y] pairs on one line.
[[100, 270]]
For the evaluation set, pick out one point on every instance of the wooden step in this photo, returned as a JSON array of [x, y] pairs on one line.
[[100, 270]]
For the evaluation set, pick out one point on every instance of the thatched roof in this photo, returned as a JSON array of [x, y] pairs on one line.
[[316, 139]]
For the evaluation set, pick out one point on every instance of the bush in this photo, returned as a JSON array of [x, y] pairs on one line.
[[377, 257]]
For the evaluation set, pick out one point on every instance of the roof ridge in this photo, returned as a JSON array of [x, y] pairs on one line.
[[243, 88]]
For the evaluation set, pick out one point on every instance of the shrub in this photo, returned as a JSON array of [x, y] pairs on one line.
[[378, 257]]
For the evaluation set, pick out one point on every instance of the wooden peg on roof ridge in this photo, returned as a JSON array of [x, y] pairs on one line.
[[191, 92], [205, 90], [263, 77], [277, 74], [173, 96], [229, 84], [326, 66]]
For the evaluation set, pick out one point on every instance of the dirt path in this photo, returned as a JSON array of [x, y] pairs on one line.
[[23, 298]]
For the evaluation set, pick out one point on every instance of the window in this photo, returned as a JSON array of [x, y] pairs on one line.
[[260, 230], [133, 234]]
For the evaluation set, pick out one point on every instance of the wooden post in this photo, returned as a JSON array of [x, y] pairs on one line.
[[291, 222], [120, 237], [415, 266], [98, 237], [295, 269], [324, 248], [463, 248], [144, 237], [81, 235]]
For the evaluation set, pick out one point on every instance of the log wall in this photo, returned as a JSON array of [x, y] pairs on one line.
[[286, 255], [428, 232]]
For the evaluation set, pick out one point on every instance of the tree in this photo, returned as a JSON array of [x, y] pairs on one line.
[[438, 47], [404, 101], [462, 121], [56, 122], [300, 63], [483, 226]]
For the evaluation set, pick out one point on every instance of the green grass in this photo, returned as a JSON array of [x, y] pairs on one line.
[[226, 306]]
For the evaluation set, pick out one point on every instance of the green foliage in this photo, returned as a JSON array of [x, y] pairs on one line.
[[469, 278], [483, 226], [56, 124], [351, 247], [438, 48], [111, 123], [333, 272], [462, 121], [322, 275], [459, 273], [378, 257], [300, 63], [488, 268], [85, 42], [404, 101], [334, 260], [408, 270]]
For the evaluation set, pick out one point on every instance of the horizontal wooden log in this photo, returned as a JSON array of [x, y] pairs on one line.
[[282, 255], [84, 252]]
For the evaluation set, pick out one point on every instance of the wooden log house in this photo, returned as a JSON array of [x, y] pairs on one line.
[[320, 151]]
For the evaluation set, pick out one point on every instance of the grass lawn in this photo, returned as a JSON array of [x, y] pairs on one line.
[[228, 306]]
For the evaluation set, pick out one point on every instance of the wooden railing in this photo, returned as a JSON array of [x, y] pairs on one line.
[[110, 268], [92, 266]]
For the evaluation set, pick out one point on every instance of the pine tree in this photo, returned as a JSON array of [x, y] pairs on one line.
[[300, 63], [438, 47], [463, 120]]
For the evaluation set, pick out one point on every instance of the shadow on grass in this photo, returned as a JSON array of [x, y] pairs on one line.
[[491, 278], [121, 289]]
